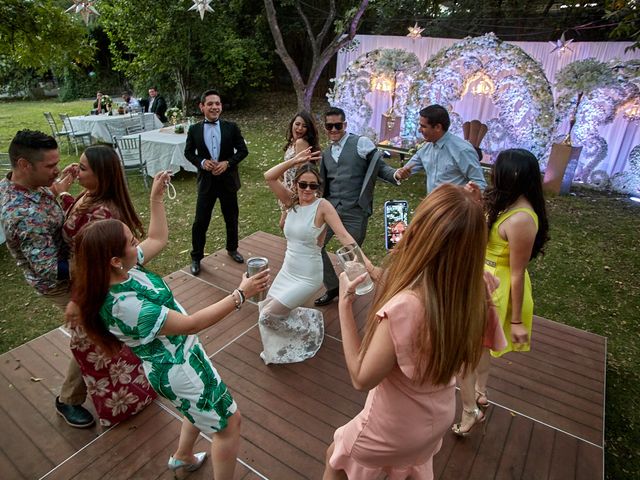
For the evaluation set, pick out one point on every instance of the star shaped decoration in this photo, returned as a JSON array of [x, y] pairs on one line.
[[202, 6], [415, 31], [561, 45], [84, 8]]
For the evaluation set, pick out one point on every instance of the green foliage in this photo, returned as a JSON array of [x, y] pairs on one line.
[[627, 14], [160, 42], [40, 36], [584, 76]]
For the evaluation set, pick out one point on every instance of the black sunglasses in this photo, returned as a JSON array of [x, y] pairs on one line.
[[338, 126], [305, 185]]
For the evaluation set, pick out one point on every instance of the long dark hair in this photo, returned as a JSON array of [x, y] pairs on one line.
[[112, 187], [517, 173], [312, 131], [95, 246]]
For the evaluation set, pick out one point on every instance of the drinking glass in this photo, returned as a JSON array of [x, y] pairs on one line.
[[352, 262]]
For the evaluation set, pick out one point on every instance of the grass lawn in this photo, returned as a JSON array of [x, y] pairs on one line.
[[586, 278]]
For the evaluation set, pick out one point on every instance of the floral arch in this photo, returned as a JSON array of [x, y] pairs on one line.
[[519, 90], [387, 69]]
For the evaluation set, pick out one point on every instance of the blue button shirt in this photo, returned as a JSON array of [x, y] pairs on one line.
[[212, 139], [449, 160]]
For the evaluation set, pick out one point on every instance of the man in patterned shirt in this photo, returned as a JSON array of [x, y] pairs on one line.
[[32, 220]]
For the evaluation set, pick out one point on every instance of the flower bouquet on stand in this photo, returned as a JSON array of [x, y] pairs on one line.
[[174, 114], [106, 103]]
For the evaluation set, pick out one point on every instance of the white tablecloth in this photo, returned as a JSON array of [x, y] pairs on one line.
[[164, 150], [97, 124]]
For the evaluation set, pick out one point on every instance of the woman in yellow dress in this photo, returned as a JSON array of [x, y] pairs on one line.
[[518, 230]]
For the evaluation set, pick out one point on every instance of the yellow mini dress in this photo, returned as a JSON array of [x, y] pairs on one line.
[[497, 263]]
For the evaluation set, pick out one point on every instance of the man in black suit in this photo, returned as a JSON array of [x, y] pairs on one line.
[[156, 104], [215, 147]]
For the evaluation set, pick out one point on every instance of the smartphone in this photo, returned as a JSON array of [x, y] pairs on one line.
[[396, 221]]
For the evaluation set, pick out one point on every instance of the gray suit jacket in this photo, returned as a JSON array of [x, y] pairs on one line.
[[375, 167]]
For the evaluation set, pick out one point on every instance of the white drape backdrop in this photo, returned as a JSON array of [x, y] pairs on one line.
[[621, 135]]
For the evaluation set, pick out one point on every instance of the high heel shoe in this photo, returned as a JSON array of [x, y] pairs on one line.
[[484, 404], [174, 464], [478, 419]]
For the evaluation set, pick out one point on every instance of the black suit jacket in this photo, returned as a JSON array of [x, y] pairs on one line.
[[159, 107], [232, 149]]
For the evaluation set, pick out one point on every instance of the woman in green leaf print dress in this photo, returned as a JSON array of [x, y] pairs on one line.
[[122, 302]]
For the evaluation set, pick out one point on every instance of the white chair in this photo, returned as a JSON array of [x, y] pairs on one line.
[[116, 130], [132, 125], [55, 131], [130, 151], [138, 116], [83, 138]]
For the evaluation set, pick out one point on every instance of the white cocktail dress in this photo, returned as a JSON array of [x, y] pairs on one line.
[[291, 333]]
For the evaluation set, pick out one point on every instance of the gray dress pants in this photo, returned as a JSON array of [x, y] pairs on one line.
[[355, 221]]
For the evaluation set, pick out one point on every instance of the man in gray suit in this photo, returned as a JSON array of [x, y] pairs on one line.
[[349, 168]]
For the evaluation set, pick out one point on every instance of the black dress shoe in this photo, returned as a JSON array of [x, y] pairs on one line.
[[75, 415], [326, 299], [195, 267], [236, 256]]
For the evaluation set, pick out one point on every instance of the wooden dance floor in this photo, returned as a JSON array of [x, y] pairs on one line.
[[546, 421]]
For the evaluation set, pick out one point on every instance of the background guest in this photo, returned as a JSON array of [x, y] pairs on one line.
[[517, 219], [157, 104], [426, 325], [131, 103], [122, 302]]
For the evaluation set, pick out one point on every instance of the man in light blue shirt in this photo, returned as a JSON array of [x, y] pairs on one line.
[[446, 158]]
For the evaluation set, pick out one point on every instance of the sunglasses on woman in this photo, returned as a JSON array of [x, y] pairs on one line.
[[305, 185], [337, 126]]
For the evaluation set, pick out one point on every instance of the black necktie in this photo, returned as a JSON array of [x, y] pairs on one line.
[[210, 122]]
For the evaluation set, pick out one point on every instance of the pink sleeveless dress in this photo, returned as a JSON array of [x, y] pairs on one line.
[[402, 424]]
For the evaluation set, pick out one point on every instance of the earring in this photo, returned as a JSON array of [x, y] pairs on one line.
[[121, 267]]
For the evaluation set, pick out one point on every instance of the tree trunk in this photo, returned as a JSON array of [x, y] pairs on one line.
[[304, 90]]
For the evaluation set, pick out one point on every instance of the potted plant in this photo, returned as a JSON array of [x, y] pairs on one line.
[[573, 83]]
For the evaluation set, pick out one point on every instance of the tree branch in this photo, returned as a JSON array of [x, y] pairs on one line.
[[328, 22], [281, 50], [315, 44]]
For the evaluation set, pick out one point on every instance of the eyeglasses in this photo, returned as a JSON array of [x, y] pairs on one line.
[[305, 185], [337, 126]]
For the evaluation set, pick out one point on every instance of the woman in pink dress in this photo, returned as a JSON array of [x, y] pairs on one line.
[[426, 324], [117, 385]]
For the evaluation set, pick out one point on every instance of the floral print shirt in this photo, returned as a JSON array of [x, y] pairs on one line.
[[32, 222]]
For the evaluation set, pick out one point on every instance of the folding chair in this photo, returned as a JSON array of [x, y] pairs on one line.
[[130, 151], [132, 125], [55, 131], [75, 137], [116, 130]]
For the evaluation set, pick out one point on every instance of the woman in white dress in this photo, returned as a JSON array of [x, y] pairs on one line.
[[291, 333]]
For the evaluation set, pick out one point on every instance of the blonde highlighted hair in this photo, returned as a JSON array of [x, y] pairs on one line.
[[441, 259]]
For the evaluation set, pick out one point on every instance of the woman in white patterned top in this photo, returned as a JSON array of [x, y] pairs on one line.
[[122, 302]]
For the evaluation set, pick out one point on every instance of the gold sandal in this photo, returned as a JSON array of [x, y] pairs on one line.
[[478, 418], [484, 404]]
